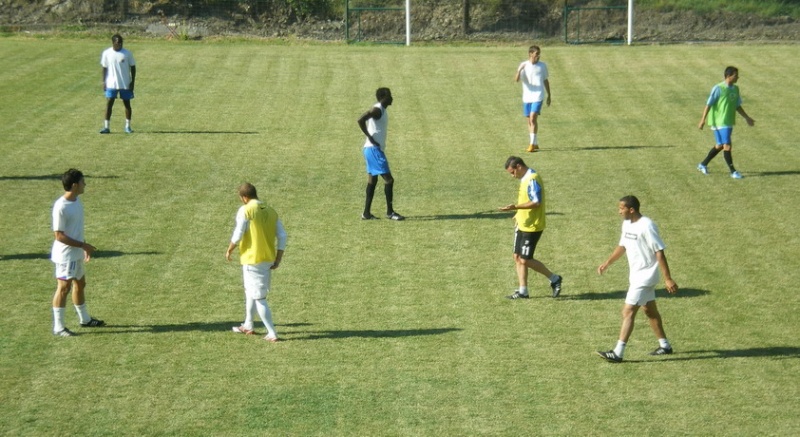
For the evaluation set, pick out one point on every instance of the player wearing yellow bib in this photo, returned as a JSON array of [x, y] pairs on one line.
[[529, 224], [261, 239], [720, 112]]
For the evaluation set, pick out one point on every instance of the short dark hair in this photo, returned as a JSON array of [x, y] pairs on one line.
[[248, 190], [116, 38], [382, 93], [513, 161], [630, 201], [70, 178], [730, 71], [534, 48]]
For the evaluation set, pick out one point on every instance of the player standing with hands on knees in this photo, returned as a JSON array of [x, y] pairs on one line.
[[70, 252], [720, 112], [535, 81], [119, 79], [374, 123], [261, 238], [645, 250]]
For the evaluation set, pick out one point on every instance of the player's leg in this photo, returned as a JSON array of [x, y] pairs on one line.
[[128, 114], [522, 253], [388, 191], [59, 304], [266, 316], [372, 181], [657, 325], [109, 109]]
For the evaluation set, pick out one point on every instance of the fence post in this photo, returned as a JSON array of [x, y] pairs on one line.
[[465, 23]]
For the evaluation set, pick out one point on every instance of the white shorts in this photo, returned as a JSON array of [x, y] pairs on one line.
[[256, 279], [70, 270], [639, 295]]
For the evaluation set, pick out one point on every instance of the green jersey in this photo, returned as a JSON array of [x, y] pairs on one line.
[[723, 103]]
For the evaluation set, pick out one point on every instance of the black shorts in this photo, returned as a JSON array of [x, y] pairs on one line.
[[525, 243]]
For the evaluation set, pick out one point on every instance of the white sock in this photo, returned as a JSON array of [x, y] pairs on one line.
[[249, 306], [83, 313], [664, 343], [553, 278], [523, 291], [105, 123], [266, 317], [533, 138], [127, 122], [58, 319], [620, 349]]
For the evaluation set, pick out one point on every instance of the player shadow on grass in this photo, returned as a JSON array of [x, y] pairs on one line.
[[97, 254], [776, 352], [369, 333], [226, 326], [47, 177], [631, 147], [772, 173], [620, 295], [491, 214], [205, 132]]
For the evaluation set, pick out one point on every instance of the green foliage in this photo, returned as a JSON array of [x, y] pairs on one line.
[[397, 329], [769, 8]]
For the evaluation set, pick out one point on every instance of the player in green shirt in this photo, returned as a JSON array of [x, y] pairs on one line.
[[720, 113]]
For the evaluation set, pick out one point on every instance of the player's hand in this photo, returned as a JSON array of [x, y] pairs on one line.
[[88, 250], [510, 207], [228, 255], [548, 100], [672, 287], [603, 267], [701, 124], [750, 122]]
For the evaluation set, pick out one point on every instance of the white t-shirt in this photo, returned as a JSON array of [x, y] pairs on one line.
[[119, 65], [532, 77], [641, 242], [67, 218], [377, 128]]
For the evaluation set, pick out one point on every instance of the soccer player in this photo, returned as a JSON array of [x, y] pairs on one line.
[[530, 222], [69, 253], [535, 82], [374, 124], [119, 79], [721, 107], [645, 250], [261, 238]]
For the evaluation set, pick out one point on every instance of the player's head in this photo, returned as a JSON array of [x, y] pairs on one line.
[[514, 161], [730, 71], [248, 190], [384, 95], [116, 42], [533, 53], [630, 202], [70, 178]]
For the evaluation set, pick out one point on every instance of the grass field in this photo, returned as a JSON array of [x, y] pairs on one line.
[[397, 328]]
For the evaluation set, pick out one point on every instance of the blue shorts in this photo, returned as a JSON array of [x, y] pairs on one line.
[[376, 161], [528, 108], [123, 94], [722, 134]]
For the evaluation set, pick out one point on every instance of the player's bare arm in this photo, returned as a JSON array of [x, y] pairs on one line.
[[615, 255], [661, 257], [374, 113], [88, 249]]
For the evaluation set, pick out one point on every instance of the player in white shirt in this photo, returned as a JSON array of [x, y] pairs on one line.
[[69, 253], [119, 79], [374, 123], [645, 251], [535, 82]]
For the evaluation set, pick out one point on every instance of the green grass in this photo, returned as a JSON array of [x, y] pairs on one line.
[[397, 328], [763, 8]]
